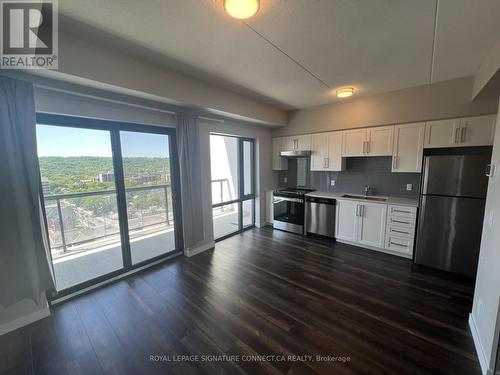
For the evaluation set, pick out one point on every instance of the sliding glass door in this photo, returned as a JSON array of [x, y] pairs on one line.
[[108, 191], [233, 197]]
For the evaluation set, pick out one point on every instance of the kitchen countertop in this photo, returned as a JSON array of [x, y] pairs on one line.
[[339, 196]]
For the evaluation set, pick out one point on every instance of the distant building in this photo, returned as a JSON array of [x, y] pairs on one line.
[[106, 177], [45, 186]]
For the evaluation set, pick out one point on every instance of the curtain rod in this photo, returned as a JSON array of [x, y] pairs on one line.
[[103, 98]]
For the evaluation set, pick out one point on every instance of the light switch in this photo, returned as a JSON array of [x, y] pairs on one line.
[[332, 182], [409, 187], [490, 219]]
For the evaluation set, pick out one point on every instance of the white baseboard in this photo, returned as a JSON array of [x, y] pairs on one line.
[[479, 347], [189, 252], [24, 320]]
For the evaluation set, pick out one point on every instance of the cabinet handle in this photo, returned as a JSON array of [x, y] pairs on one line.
[[394, 162], [362, 210], [326, 163], [295, 144], [402, 211], [357, 210], [399, 231], [400, 222], [455, 135], [463, 134], [367, 147], [397, 244]]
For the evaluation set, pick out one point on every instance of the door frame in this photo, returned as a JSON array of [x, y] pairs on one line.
[[114, 128], [241, 186]]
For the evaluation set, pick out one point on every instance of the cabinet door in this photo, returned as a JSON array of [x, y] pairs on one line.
[[346, 220], [442, 133], [297, 142], [380, 141], [319, 152], [408, 147], [335, 161], [354, 142], [289, 143], [477, 131], [279, 163], [372, 224], [303, 142]]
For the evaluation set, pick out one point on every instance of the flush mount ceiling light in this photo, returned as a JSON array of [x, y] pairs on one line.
[[344, 92], [241, 9]]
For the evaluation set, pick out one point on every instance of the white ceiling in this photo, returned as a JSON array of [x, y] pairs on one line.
[[295, 53]]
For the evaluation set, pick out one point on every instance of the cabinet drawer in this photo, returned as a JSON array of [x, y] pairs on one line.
[[398, 221], [402, 211], [399, 244], [400, 231]]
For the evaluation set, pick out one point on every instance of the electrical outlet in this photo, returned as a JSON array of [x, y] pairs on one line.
[[332, 182], [409, 187], [285, 179]]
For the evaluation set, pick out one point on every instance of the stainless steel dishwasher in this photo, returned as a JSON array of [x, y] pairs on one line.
[[320, 216]]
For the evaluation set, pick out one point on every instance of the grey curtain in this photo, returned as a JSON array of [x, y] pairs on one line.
[[188, 143], [25, 269]]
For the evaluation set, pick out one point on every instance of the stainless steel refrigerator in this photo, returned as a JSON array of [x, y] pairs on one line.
[[451, 213]]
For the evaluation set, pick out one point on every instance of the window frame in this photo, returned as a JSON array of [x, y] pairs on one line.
[[114, 128]]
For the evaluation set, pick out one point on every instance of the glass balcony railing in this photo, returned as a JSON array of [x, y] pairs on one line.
[[81, 221]]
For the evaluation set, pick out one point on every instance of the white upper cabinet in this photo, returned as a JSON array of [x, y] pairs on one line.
[[379, 141], [442, 133], [354, 142], [368, 142], [477, 131], [297, 143], [326, 152], [408, 147], [279, 163], [460, 132]]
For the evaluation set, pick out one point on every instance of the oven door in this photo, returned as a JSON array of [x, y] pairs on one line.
[[288, 214]]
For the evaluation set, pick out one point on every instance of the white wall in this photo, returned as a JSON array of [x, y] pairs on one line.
[[430, 102], [484, 319], [22, 313]]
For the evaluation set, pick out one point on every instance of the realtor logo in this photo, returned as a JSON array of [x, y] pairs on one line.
[[29, 34]]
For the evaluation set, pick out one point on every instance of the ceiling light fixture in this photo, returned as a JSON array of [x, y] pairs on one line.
[[241, 9], [345, 92]]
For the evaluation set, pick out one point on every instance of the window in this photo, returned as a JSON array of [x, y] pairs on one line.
[[233, 197], [108, 192]]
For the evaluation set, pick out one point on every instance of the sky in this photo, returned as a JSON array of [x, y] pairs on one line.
[[65, 141]]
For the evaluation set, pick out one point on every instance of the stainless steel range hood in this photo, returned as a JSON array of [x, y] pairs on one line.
[[295, 153]]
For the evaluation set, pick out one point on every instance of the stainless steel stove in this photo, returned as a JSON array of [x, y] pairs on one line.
[[288, 207]]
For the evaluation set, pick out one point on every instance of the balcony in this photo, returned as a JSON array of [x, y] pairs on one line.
[[84, 230]]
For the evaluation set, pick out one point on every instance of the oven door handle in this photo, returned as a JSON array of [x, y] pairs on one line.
[[281, 199]]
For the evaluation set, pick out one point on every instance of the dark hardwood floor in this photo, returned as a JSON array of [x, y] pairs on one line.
[[264, 293]]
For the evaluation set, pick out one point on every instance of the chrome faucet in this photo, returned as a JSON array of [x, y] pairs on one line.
[[367, 190]]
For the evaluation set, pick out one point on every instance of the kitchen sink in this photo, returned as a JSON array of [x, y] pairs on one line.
[[368, 198]]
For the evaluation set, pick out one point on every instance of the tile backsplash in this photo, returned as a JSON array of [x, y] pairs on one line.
[[373, 171]]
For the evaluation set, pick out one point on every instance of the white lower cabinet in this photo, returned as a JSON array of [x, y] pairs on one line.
[[347, 220], [377, 226], [361, 222], [371, 221]]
